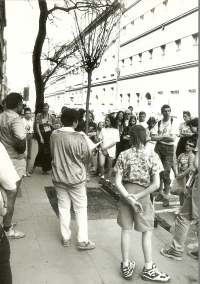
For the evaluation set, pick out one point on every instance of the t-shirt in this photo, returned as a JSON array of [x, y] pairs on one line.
[[8, 174], [167, 128], [28, 125], [11, 131], [138, 165], [143, 123], [92, 127], [184, 128], [109, 135]]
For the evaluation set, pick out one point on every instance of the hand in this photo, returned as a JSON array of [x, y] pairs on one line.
[[135, 204], [179, 176], [4, 197], [104, 152], [41, 140]]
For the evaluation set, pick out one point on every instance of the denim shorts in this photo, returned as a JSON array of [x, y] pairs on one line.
[[143, 221]]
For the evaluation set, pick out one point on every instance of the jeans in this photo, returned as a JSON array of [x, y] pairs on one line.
[[188, 213], [5, 270], [79, 199]]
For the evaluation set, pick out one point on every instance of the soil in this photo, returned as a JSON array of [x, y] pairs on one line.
[[101, 205]]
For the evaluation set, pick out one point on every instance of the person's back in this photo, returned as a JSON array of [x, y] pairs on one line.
[[69, 152]]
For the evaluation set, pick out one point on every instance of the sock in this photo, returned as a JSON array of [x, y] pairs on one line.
[[148, 265], [6, 228], [125, 264], [107, 180], [102, 176]]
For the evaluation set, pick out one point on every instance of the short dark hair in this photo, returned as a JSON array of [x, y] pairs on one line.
[[165, 106], [12, 100], [187, 113], [27, 109], [151, 120], [44, 105], [191, 141], [69, 116], [192, 122], [142, 112], [130, 107], [63, 108], [137, 136]]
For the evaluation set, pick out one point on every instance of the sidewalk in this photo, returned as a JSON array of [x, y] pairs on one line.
[[41, 258]]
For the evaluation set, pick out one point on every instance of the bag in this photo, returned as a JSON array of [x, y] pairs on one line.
[[3, 202]]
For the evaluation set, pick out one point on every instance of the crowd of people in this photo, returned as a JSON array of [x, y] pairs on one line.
[[141, 151]]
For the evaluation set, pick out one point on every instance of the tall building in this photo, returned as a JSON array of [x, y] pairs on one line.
[[153, 61]]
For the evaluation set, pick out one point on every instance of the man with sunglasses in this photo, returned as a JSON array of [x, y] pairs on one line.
[[127, 116], [189, 210]]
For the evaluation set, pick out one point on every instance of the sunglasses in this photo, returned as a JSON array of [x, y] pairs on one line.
[[191, 145]]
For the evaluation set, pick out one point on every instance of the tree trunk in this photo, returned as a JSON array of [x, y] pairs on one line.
[[37, 51], [88, 99]]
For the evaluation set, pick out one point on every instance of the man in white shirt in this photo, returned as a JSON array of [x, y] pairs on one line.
[[127, 116], [165, 149], [28, 128]]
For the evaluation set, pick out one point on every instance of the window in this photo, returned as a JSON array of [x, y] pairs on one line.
[[165, 4], [192, 92], [142, 19], [163, 47], [122, 62], [195, 41], [160, 93], [124, 30], [178, 44], [140, 57], [175, 93], [150, 53], [131, 59], [132, 24]]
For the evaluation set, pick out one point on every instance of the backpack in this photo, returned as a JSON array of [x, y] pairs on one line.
[[159, 123]]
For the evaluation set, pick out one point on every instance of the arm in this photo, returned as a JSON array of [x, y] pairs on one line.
[[109, 146], [167, 138], [39, 133], [154, 186], [18, 130]]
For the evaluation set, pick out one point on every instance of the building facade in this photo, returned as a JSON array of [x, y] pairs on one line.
[[153, 61]]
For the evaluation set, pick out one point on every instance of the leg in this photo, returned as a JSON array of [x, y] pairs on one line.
[[101, 163], [125, 244], [146, 246], [64, 205], [5, 269], [79, 200], [11, 196], [109, 171]]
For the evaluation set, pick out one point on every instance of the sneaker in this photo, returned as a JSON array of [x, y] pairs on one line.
[[66, 243], [154, 275], [170, 254], [128, 270], [165, 202], [92, 169], [88, 178], [101, 181], [193, 254], [14, 234], [159, 197], [86, 245]]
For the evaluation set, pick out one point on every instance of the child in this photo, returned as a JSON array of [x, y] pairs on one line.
[[134, 169], [183, 168]]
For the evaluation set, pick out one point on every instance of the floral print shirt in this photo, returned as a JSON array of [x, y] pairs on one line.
[[138, 165]]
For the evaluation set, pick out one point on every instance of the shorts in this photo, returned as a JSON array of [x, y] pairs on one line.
[[144, 221], [20, 166], [166, 155]]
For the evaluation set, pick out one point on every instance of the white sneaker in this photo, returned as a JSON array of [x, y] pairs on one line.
[[14, 234]]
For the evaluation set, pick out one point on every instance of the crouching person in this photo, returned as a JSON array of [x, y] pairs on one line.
[[70, 153], [137, 175]]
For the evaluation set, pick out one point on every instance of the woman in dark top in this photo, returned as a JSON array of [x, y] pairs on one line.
[[120, 123], [44, 126], [126, 135]]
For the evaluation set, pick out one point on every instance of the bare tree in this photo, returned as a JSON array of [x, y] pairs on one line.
[[93, 40], [65, 6]]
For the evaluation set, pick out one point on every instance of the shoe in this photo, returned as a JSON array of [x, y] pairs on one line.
[[193, 254], [154, 275], [96, 174], [92, 169], [170, 254], [128, 270], [27, 175], [14, 234], [182, 198], [159, 197], [108, 183], [165, 202], [101, 181], [31, 171], [86, 245], [88, 178], [66, 243], [44, 173]]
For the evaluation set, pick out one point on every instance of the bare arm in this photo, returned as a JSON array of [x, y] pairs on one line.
[[167, 138]]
